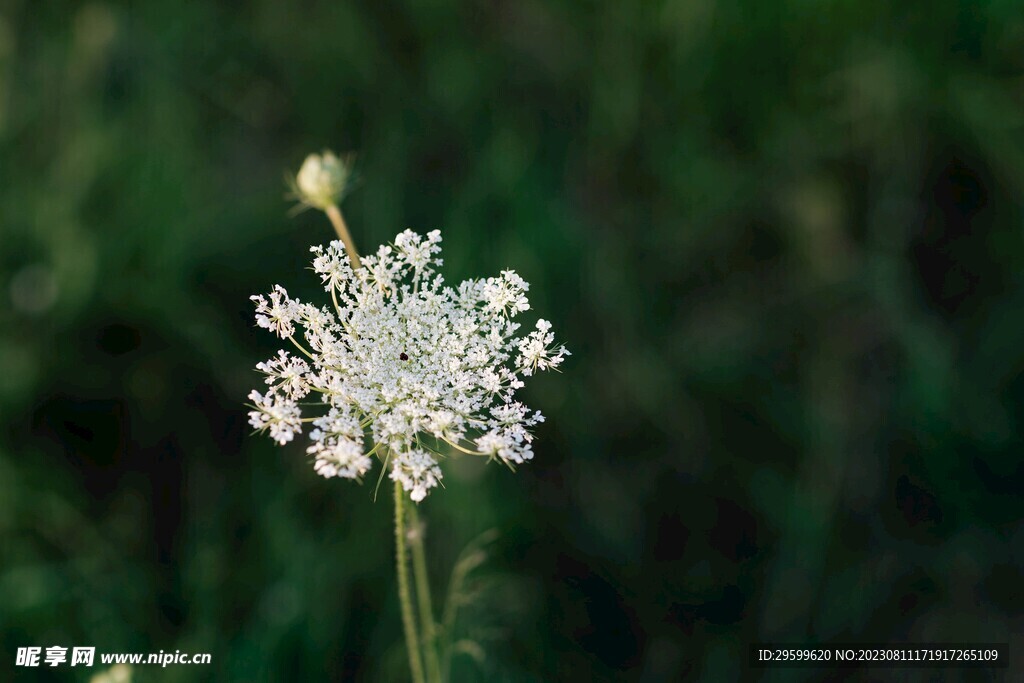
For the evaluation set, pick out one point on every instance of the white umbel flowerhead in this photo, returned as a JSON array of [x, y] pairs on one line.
[[402, 366], [322, 179]]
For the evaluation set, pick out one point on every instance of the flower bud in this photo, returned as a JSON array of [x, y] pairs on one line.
[[321, 180]]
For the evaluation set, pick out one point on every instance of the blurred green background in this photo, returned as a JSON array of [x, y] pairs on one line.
[[783, 241]]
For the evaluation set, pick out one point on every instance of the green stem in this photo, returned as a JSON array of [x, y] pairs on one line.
[[426, 608], [334, 215], [412, 640]]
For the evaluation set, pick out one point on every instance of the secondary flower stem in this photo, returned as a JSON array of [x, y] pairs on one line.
[[426, 608], [334, 213], [412, 641]]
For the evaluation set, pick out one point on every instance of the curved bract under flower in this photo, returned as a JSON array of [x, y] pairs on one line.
[[402, 366]]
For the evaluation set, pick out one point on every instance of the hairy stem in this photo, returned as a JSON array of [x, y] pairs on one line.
[[412, 640], [426, 608], [334, 213]]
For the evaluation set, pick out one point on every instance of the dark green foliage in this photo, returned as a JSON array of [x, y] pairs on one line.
[[783, 241]]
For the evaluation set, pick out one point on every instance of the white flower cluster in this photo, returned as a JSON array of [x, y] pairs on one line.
[[402, 366]]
